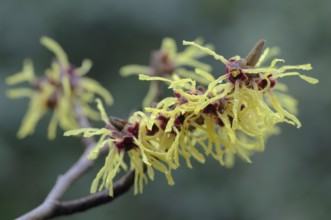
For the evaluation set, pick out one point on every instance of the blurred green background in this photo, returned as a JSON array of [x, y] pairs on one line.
[[290, 180]]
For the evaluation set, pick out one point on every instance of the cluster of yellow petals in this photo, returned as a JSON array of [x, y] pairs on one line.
[[248, 113], [168, 62], [146, 156], [230, 116], [59, 89]]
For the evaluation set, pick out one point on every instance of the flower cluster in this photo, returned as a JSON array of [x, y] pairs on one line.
[[232, 115], [120, 138], [169, 63], [62, 87]]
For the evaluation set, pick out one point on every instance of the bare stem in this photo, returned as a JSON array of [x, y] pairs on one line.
[[51, 209], [79, 205], [61, 186], [52, 206]]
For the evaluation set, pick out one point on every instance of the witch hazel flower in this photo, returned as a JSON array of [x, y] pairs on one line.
[[62, 86], [247, 74], [123, 139], [234, 114], [169, 63]]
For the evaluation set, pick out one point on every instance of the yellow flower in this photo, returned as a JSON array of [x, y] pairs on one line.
[[260, 82], [130, 139], [59, 89], [234, 114], [168, 62]]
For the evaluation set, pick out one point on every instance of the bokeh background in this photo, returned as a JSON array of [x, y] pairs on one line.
[[290, 180]]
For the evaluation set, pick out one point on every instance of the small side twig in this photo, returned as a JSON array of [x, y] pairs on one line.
[[79, 205], [83, 123]]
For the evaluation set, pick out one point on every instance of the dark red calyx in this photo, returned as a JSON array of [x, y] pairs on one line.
[[153, 131], [179, 120], [126, 144], [211, 108], [163, 121], [235, 75], [219, 122], [177, 95], [134, 129], [234, 70], [264, 82]]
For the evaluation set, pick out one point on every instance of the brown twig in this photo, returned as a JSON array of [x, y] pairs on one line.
[[79, 205], [61, 186], [52, 206]]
